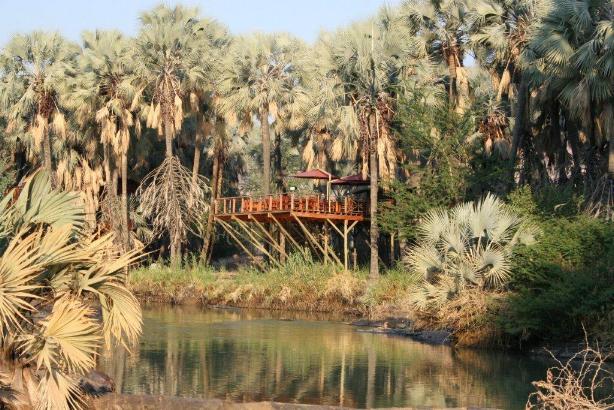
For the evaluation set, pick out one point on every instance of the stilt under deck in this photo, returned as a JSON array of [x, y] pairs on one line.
[[247, 220]]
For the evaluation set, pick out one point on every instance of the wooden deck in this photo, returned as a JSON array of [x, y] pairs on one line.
[[285, 207]]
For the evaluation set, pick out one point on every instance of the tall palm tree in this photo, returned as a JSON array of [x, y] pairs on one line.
[[34, 69], [370, 57], [212, 41], [570, 50], [260, 73], [104, 94], [442, 28], [499, 33], [330, 120], [168, 57]]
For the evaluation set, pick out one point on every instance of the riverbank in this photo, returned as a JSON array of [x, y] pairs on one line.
[[146, 402], [297, 286], [476, 318]]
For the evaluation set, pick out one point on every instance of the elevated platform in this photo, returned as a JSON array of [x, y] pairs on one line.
[[287, 207], [300, 221]]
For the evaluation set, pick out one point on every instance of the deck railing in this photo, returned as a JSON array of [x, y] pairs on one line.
[[288, 203]]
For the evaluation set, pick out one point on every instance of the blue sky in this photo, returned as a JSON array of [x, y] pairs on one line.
[[304, 18]]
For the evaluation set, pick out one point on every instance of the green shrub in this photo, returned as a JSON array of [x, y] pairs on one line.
[[563, 282]]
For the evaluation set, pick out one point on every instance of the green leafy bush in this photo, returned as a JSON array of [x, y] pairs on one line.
[[566, 280]]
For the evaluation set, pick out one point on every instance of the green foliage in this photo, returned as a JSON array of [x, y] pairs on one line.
[[435, 140], [564, 281]]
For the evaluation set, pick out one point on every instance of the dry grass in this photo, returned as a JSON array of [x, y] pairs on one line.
[[471, 317], [582, 382], [298, 285]]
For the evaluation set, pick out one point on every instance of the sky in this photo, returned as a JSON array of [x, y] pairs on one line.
[[304, 18]]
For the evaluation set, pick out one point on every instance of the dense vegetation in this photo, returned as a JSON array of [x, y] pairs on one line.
[[439, 102]]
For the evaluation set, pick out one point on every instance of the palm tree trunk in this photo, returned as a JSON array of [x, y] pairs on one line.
[[125, 220], [106, 163], [266, 150], [47, 156], [197, 152], [279, 182], [114, 178], [520, 125], [373, 168], [169, 139], [611, 156], [215, 174], [451, 63]]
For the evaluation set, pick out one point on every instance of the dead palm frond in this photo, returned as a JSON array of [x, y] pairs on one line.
[[171, 202]]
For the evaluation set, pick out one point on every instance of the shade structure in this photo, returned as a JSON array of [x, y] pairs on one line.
[[351, 180], [314, 174]]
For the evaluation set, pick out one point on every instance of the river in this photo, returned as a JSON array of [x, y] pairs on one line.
[[251, 355]]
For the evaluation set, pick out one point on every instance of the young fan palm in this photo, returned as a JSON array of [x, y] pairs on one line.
[[260, 73], [468, 246], [62, 295], [34, 69], [104, 95]]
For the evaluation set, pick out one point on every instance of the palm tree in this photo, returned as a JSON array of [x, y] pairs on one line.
[[569, 49], [105, 95], [168, 57], [169, 64], [260, 73], [330, 120], [34, 69], [468, 246], [370, 57], [54, 278], [442, 29], [213, 41], [499, 33]]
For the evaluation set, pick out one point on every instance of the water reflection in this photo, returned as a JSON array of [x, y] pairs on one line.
[[255, 356]]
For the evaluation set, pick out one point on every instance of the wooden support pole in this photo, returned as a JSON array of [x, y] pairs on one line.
[[345, 244], [314, 241], [232, 234], [287, 234], [269, 236], [256, 242]]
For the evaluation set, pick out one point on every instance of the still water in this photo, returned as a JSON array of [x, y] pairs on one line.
[[249, 356]]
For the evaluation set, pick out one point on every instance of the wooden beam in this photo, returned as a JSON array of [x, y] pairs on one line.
[[256, 242], [268, 235], [229, 230], [334, 226], [287, 234], [315, 242]]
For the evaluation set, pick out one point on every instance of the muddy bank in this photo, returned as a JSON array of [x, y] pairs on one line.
[[144, 402]]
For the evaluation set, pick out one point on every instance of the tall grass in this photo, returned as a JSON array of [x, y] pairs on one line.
[[300, 284]]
